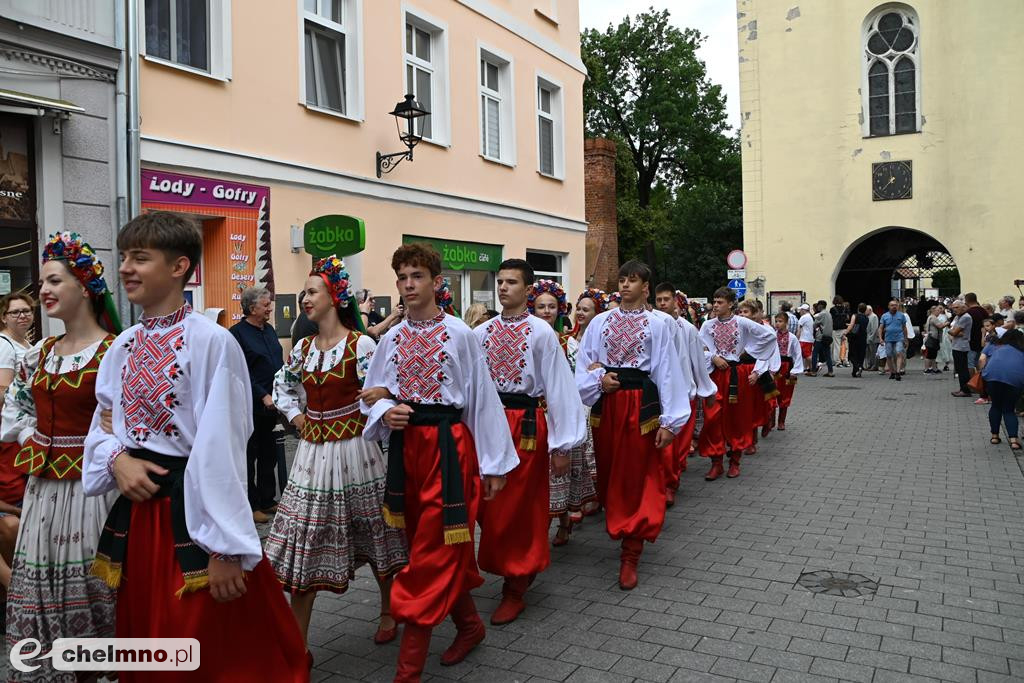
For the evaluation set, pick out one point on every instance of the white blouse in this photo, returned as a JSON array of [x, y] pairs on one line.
[[732, 337], [634, 339], [524, 357], [439, 361], [20, 403], [290, 395], [178, 385], [12, 355], [702, 384]]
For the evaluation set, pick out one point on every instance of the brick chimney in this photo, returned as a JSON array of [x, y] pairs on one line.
[[602, 218]]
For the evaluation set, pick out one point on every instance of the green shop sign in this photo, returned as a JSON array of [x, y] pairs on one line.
[[462, 255], [334, 235]]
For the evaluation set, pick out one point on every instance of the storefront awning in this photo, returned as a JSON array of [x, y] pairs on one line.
[[25, 103]]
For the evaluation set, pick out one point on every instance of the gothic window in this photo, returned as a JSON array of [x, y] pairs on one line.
[[892, 70]]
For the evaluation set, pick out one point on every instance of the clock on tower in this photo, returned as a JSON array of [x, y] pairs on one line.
[[892, 180]]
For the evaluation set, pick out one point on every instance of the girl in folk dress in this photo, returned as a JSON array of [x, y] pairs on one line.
[[329, 520], [52, 593]]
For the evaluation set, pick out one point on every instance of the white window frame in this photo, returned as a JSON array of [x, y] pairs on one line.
[[868, 60], [506, 105], [352, 30], [557, 118], [440, 108], [563, 262], [218, 40]]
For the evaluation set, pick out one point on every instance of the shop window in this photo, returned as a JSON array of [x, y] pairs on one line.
[[192, 34], [496, 107], [331, 79], [550, 148], [548, 265], [426, 73]]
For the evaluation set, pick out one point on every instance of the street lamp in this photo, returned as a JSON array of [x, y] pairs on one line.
[[410, 110]]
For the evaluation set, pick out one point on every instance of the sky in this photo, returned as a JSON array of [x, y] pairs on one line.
[[716, 19]]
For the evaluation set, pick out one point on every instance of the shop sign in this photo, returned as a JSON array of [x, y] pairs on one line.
[[160, 187], [16, 191], [462, 255], [334, 236]]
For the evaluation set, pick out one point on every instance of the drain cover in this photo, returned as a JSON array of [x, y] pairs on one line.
[[843, 388], [838, 583]]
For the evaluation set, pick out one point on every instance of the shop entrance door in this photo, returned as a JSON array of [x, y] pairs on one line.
[[19, 241]]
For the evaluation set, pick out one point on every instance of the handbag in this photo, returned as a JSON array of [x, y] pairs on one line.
[[976, 383]]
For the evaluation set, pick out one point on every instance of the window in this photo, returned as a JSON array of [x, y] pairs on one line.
[[193, 34], [548, 265], [891, 59], [496, 120], [331, 77], [550, 147], [426, 73]]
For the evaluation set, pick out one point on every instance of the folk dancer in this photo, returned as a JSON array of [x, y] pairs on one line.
[[792, 366], [639, 401], [545, 416], [449, 446]]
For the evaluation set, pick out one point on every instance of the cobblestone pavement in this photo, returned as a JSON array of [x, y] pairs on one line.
[[895, 481]]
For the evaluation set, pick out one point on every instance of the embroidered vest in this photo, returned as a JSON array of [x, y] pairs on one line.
[[332, 409], [65, 404]]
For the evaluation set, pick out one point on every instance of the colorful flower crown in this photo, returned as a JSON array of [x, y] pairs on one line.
[[598, 296], [332, 270], [443, 297], [681, 301], [614, 298], [81, 259], [547, 287]]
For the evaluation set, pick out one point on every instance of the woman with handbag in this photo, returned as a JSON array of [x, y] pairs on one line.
[[857, 339], [933, 340]]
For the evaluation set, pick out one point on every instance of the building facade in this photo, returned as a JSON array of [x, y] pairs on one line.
[[259, 121], [61, 153], [880, 146]]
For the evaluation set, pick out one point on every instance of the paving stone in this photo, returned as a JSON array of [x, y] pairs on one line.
[[744, 671], [644, 670]]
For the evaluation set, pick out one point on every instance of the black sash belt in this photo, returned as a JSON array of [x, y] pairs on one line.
[[453, 499], [787, 375], [765, 380], [650, 401], [531, 404], [113, 543]]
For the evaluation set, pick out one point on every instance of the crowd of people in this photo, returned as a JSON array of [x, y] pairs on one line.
[[130, 460]]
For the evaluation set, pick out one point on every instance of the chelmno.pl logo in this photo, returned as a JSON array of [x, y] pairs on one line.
[[108, 654]]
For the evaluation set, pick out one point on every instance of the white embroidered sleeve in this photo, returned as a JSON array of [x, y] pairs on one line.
[[100, 447], [566, 425], [289, 394], [365, 348], [667, 374], [378, 375], [483, 412], [588, 382]]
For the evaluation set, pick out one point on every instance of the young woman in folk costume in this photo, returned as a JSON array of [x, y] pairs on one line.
[[329, 521], [571, 491], [52, 593], [792, 367]]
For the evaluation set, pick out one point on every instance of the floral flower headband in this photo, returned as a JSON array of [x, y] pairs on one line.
[[81, 259], [598, 296], [443, 297], [547, 287], [332, 270], [614, 298]]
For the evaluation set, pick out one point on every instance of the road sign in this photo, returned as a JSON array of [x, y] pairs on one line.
[[737, 274], [736, 259], [738, 286]]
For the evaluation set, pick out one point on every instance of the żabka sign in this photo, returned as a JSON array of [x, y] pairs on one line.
[[176, 188], [334, 236]]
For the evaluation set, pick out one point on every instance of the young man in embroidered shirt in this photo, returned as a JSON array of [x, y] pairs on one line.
[[728, 427], [180, 543], [628, 369], [700, 385], [530, 369], [449, 447]]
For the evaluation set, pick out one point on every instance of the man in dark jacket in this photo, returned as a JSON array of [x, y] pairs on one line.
[[264, 356]]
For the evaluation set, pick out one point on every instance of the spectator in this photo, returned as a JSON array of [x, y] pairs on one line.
[[960, 332], [932, 341], [822, 339], [302, 327], [1003, 370], [1006, 306], [945, 357], [892, 331], [475, 315], [908, 346], [871, 352], [840, 313], [805, 335], [977, 313], [373, 322], [857, 339], [787, 308], [264, 357]]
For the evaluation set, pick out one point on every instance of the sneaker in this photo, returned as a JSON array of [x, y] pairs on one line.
[[982, 402]]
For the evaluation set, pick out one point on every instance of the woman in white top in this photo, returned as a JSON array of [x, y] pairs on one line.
[[17, 315], [945, 344]]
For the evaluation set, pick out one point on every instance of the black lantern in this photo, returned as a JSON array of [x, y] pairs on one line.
[[409, 110]]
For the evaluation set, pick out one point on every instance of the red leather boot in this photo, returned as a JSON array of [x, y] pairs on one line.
[[511, 600], [734, 465], [716, 468], [470, 628], [412, 654], [631, 549]]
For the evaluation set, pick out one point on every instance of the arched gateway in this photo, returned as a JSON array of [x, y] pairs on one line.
[[895, 261]]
